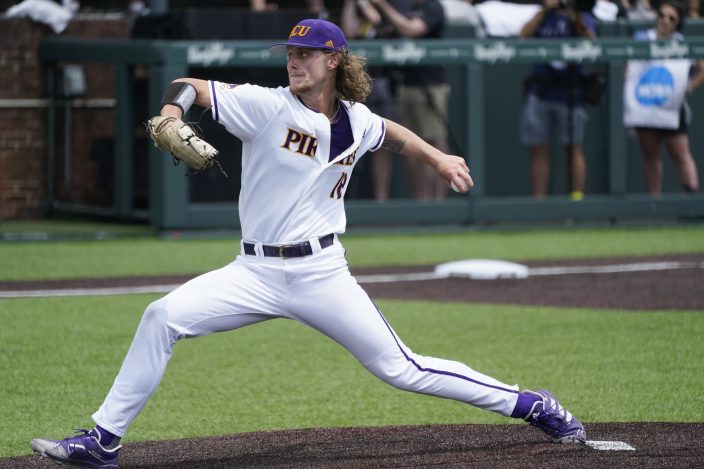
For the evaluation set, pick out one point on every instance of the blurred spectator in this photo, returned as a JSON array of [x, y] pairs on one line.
[[314, 6], [423, 92], [694, 9], [655, 103], [555, 94], [362, 20], [637, 9]]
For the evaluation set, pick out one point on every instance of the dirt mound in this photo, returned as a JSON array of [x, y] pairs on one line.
[[657, 445]]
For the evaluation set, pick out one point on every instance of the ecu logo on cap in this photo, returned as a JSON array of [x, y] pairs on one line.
[[329, 43], [299, 30]]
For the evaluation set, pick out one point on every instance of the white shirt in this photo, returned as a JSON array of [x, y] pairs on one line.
[[289, 191]]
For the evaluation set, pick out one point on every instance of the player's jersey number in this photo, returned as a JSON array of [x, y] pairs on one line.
[[339, 190]]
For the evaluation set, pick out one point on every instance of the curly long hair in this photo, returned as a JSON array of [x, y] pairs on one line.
[[353, 82]]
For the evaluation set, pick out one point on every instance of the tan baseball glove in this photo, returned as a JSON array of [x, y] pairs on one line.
[[179, 139]]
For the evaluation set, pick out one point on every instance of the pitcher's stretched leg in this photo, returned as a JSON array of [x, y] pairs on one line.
[[337, 306], [221, 300], [351, 319]]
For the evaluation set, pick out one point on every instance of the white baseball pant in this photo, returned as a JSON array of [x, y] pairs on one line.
[[316, 290]]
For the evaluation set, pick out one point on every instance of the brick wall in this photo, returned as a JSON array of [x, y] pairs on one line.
[[22, 145], [23, 125]]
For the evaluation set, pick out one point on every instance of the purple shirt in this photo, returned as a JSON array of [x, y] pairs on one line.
[[340, 134]]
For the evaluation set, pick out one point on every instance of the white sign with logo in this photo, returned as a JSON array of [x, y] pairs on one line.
[[497, 51], [215, 52], [406, 52], [654, 92]]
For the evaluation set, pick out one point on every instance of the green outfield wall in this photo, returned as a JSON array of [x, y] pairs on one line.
[[486, 78]]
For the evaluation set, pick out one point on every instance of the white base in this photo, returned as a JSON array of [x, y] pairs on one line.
[[483, 269], [610, 445]]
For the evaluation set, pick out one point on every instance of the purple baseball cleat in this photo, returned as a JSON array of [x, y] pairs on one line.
[[548, 415], [82, 450]]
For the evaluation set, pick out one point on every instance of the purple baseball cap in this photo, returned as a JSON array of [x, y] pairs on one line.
[[314, 34]]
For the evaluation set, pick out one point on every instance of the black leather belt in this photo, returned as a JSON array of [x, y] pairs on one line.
[[290, 250]]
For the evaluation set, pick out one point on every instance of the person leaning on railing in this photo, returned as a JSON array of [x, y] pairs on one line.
[[655, 103]]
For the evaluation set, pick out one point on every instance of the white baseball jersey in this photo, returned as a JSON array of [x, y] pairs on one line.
[[290, 191]]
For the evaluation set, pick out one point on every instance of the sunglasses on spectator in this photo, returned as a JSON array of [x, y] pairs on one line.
[[670, 18]]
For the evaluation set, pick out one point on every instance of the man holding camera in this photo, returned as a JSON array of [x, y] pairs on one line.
[[555, 93]]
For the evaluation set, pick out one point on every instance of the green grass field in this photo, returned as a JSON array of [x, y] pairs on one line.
[[152, 256], [59, 355]]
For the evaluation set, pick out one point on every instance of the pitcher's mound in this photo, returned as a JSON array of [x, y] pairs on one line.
[[486, 446]]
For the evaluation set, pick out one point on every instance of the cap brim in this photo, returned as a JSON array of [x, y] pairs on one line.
[[282, 46]]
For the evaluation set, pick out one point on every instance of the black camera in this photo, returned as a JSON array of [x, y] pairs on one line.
[[582, 6]]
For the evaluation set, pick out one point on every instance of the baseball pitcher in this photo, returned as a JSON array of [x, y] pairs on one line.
[[300, 145]]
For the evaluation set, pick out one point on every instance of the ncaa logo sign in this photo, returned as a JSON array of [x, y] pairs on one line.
[[655, 86]]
